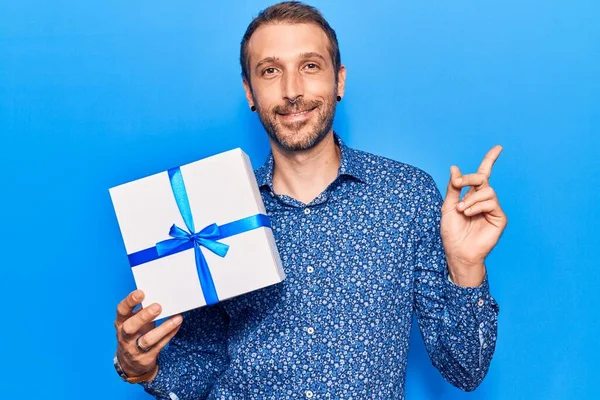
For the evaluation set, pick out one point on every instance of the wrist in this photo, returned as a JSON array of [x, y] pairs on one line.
[[471, 276], [153, 375], [133, 377]]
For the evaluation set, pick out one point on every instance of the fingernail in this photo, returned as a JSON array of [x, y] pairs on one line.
[[177, 320], [136, 295], [461, 204], [154, 308]]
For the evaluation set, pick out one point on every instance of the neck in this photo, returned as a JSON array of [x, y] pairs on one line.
[[303, 175]]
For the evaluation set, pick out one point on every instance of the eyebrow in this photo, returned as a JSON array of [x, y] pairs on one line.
[[303, 56], [312, 54], [265, 61]]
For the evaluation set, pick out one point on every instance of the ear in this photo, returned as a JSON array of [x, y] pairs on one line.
[[248, 90], [341, 81]]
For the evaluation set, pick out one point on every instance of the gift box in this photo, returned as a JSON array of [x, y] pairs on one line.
[[197, 234]]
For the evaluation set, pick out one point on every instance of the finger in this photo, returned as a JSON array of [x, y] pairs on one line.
[[488, 161], [453, 191], [485, 194], [469, 193], [157, 334], [126, 306], [130, 328], [163, 342], [488, 206], [477, 180]]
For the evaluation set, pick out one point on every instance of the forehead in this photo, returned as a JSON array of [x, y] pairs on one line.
[[285, 41]]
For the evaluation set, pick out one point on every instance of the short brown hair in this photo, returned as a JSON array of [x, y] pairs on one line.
[[294, 12]]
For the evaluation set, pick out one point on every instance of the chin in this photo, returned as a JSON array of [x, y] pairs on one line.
[[304, 139]]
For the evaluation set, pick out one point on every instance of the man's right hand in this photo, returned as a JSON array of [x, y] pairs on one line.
[[138, 326]]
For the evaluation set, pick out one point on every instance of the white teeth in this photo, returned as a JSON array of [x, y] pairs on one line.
[[300, 113]]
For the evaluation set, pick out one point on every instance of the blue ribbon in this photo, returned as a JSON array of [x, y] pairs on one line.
[[207, 237]]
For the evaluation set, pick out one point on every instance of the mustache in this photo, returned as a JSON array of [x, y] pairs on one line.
[[299, 106]]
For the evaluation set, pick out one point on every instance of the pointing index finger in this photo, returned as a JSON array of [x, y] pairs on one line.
[[488, 161]]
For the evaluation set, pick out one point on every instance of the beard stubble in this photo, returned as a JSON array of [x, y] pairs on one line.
[[300, 135]]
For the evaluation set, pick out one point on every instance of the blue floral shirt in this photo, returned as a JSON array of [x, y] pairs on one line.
[[361, 259]]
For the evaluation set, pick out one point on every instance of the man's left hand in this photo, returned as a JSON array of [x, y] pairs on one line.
[[471, 227]]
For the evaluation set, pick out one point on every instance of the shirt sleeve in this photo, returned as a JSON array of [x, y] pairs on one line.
[[458, 324], [194, 358]]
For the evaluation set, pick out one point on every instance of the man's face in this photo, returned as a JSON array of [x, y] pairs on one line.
[[292, 83]]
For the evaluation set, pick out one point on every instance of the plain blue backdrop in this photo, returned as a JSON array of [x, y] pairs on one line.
[[97, 93]]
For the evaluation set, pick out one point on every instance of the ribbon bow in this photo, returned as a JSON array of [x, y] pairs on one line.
[[207, 237]]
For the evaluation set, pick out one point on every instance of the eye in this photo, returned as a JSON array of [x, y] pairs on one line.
[[311, 67], [269, 71]]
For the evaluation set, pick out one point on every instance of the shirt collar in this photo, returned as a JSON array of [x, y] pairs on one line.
[[351, 165]]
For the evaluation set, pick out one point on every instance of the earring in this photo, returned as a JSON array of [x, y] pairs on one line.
[[339, 98], [252, 108]]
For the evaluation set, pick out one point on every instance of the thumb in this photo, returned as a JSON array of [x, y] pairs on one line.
[[453, 190]]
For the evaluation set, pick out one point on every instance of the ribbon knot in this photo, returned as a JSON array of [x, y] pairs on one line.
[[207, 237]]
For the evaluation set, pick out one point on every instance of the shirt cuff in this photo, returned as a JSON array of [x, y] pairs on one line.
[[477, 299], [474, 310], [159, 385]]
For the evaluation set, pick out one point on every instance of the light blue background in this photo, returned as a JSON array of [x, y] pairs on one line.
[[97, 93]]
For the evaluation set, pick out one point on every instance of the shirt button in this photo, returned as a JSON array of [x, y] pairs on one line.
[[481, 325], [310, 330], [309, 394], [480, 302], [485, 345], [307, 211], [310, 270]]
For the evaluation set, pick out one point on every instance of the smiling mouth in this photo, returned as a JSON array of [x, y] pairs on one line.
[[297, 114]]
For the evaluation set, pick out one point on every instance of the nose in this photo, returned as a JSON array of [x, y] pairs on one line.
[[293, 87]]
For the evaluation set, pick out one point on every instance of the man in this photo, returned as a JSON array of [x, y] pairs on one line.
[[365, 243]]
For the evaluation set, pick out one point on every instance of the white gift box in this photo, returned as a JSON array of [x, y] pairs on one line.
[[221, 190]]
